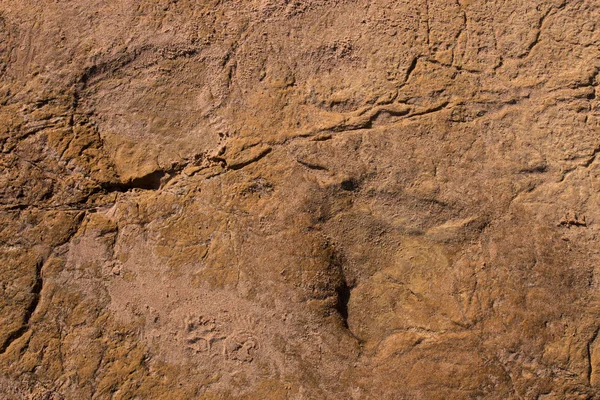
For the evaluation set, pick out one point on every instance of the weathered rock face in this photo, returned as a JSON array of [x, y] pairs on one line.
[[309, 199]]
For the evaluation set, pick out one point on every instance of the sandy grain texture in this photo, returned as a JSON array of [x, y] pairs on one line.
[[269, 199]]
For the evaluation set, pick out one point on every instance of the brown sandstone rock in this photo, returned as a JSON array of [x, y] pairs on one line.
[[299, 199]]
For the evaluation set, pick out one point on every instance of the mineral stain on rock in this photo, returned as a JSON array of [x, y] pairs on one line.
[[299, 200]]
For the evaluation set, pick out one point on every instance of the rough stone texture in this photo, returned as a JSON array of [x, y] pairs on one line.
[[299, 199]]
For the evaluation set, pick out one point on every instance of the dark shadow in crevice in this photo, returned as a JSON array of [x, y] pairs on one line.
[[151, 181], [349, 185], [343, 298]]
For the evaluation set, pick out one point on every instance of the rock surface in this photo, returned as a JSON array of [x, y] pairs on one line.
[[319, 199]]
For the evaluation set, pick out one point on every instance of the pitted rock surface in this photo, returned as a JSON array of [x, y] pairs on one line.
[[349, 199]]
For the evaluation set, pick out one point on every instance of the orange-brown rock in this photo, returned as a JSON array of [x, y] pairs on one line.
[[206, 199]]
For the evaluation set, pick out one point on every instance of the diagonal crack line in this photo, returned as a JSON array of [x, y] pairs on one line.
[[36, 292], [590, 366], [437, 108], [592, 158], [411, 68], [313, 166], [30, 309], [536, 39]]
